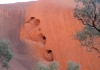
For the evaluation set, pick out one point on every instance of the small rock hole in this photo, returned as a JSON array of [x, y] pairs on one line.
[[44, 38], [49, 55], [32, 18], [49, 51]]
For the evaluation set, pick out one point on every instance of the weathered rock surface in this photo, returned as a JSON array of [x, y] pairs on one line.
[[12, 16], [58, 26], [47, 37]]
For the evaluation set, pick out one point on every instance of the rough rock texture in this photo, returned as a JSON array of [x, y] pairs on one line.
[[58, 26], [11, 19], [47, 37]]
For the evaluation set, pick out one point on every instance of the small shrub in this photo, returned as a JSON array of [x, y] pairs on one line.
[[5, 54], [53, 65], [73, 66], [40, 66]]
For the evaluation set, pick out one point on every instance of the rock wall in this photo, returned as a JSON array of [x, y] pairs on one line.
[[11, 20], [58, 27]]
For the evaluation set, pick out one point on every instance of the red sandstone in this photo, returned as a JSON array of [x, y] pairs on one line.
[[53, 37]]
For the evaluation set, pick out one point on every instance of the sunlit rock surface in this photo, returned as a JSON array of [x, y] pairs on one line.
[[58, 25], [12, 16], [44, 31]]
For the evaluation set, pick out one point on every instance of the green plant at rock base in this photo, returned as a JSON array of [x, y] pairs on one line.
[[73, 66], [40, 66], [88, 12], [5, 54], [52, 66]]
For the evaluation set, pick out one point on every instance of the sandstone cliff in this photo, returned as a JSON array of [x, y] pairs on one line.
[[58, 26], [12, 16], [44, 31]]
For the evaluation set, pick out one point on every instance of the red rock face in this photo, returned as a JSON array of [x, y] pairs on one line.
[[47, 37], [11, 19], [55, 35]]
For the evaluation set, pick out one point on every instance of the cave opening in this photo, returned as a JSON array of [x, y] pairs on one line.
[[49, 51], [32, 18], [50, 55], [44, 38]]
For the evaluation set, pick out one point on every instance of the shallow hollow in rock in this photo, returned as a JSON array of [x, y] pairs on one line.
[[42, 38], [49, 55]]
